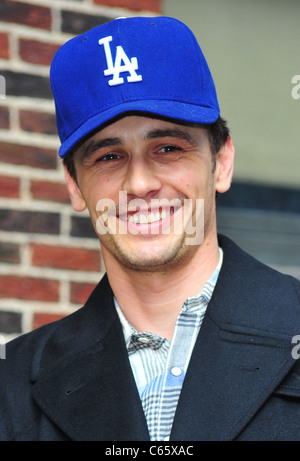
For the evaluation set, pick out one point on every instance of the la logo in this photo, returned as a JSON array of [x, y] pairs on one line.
[[122, 64]]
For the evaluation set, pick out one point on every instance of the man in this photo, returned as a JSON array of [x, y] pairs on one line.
[[186, 337]]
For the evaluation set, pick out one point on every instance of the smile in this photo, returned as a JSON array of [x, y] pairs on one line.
[[141, 218]]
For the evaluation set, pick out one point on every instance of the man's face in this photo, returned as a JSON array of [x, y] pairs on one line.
[[162, 169]]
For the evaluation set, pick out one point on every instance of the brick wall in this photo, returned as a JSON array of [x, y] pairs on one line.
[[49, 255]]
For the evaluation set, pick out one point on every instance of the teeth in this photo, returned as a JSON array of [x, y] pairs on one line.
[[151, 218], [143, 219], [148, 219]]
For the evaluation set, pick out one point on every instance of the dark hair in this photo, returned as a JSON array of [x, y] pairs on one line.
[[68, 161], [218, 133]]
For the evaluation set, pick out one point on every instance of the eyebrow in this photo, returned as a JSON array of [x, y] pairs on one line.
[[172, 133], [93, 146]]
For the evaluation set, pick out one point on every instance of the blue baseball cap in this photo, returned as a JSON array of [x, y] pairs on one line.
[[143, 64]]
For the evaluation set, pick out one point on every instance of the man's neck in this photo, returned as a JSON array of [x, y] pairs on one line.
[[152, 301]]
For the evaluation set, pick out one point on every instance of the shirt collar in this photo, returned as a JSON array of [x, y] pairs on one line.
[[134, 338]]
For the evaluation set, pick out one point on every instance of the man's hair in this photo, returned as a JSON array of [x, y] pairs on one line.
[[218, 133]]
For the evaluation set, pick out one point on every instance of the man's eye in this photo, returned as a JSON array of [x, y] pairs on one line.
[[108, 157], [170, 149]]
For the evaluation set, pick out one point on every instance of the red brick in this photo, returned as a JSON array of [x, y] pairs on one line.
[[23, 13], [137, 5], [36, 222], [41, 319], [4, 118], [80, 292], [36, 157], [38, 122], [65, 258], [9, 187], [27, 84], [9, 253], [37, 52], [4, 51], [46, 190], [29, 288]]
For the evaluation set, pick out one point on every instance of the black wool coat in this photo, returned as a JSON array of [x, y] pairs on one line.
[[71, 380]]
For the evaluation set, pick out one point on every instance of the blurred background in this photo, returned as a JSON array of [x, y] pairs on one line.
[[252, 50], [49, 255]]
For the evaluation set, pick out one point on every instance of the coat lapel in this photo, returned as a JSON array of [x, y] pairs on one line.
[[229, 378], [242, 353], [84, 382]]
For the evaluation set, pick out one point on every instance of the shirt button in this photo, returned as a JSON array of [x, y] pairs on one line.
[[144, 339], [176, 371]]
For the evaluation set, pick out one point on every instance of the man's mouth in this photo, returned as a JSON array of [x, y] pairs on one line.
[[148, 217], [161, 216]]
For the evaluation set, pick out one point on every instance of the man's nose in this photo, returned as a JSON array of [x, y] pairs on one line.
[[141, 180]]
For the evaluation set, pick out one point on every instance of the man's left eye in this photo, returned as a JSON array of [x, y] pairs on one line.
[[169, 149]]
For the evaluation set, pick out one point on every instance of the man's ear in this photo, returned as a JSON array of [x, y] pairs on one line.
[[224, 166], [75, 194]]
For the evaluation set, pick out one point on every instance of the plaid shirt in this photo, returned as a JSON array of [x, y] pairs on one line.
[[159, 366]]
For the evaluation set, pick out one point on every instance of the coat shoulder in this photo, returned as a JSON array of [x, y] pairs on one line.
[[256, 295]]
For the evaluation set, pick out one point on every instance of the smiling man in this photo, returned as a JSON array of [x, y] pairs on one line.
[[186, 337], [157, 163]]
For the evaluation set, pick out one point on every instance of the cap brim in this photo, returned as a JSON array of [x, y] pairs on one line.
[[170, 109]]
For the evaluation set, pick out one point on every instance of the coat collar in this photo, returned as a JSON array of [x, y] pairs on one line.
[[243, 349], [83, 380]]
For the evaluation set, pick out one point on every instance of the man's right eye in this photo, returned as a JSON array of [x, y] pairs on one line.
[[108, 157]]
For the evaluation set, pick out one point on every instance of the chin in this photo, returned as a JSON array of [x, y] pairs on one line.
[[160, 260]]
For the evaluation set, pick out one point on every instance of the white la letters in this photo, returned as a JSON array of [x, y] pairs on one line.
[[129, 65]]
